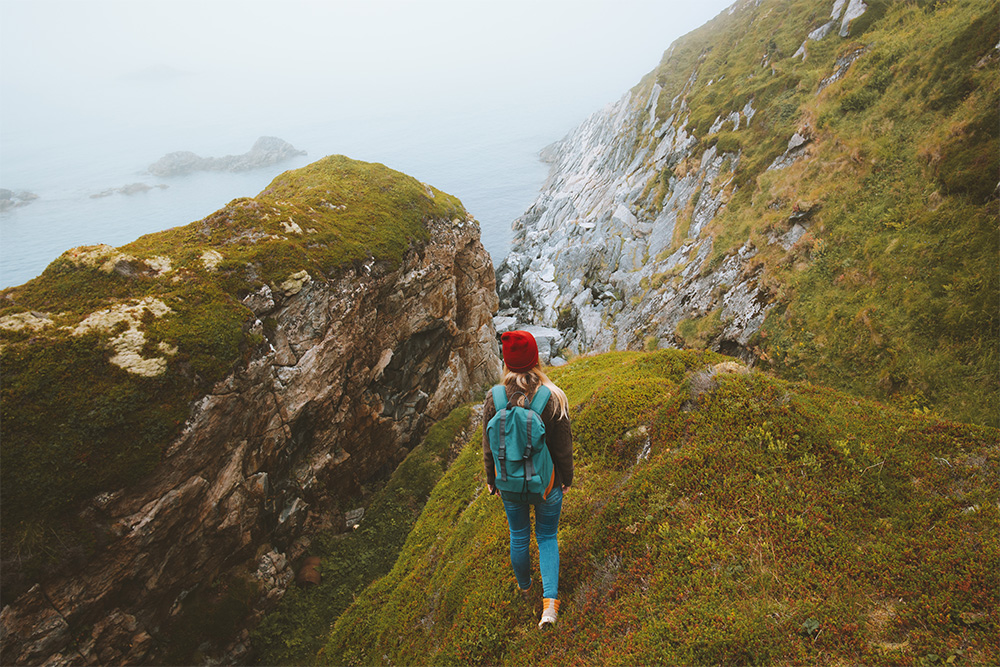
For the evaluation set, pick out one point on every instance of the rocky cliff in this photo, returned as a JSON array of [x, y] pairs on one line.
[[811, 185], [358, 303]]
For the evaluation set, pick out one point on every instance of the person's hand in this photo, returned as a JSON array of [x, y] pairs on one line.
[[492, 489], [565, 488]]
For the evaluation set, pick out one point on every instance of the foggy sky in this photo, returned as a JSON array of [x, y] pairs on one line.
[[250, 57]]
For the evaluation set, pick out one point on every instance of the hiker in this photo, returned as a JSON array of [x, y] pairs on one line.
[[522, 379]]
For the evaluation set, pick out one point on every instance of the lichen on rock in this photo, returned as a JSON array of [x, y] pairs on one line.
[[129, 344], [211, 259], [295, 282], [27, 320]]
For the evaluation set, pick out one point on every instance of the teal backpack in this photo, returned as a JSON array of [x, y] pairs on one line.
[[517, 438]]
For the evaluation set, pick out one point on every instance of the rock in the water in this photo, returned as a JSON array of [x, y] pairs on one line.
[[265, 152], [130, 189], [10, 199]]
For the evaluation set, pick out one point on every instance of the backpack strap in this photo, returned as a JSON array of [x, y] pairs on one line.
[[529, 467], [541, 399], [500, 403], [499, 397], [538, 403]]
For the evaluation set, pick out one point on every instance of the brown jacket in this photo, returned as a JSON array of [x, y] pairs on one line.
[[558, 439]]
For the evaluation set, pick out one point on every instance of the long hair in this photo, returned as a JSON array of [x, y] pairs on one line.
[[526, 383]]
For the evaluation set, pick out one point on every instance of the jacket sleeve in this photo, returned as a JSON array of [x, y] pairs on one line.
[[559, 439], [488, 411]]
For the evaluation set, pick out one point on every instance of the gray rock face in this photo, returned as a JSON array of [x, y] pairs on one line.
[[265, 152], [351, 375], [603, 258]]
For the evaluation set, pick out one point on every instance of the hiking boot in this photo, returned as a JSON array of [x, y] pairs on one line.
[[550, 609]]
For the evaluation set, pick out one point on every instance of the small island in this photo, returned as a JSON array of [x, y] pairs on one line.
[[265, 152]]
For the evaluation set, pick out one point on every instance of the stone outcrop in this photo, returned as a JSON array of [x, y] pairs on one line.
[[589, 257], [265, 152], [618, 249], [352, 372]]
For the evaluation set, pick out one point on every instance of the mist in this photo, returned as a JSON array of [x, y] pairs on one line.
[[460, 94]]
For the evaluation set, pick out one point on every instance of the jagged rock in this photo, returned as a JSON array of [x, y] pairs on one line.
[[352, 519], [855, 9], [796, 149], [265, 152], [548, 341], [841, 66], [587, 274]]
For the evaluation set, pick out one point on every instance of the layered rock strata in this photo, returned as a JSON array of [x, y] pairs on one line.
[[352, 373]]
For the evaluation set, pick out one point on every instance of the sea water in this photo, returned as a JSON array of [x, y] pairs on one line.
[[487, 157]]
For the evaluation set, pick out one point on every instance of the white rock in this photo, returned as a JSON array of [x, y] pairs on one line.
[[295, 282], [211, 259], [504, 323], [855, 9]]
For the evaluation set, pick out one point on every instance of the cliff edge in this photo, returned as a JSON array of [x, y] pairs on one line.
[[189, 408]]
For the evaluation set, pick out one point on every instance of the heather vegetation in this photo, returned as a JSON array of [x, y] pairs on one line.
[[104, 353], [892, 291], [720, 516]]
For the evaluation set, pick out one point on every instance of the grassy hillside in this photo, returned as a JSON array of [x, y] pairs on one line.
[[892, 292], [719, 516], [105, 351]]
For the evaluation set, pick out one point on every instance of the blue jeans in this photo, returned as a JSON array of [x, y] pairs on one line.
[[546, 526]]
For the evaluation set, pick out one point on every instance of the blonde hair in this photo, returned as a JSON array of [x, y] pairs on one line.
[[526, 383]]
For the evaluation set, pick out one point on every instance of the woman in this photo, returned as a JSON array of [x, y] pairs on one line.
[[522, 375]]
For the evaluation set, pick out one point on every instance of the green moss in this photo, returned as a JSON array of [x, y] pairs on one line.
[[771, 523], [726, 142], [699, 332], [75, 425]]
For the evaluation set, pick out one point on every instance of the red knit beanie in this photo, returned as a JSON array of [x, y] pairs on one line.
[[520, 351]]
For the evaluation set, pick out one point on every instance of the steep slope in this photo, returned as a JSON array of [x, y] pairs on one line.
[[809, 184], [721, 516], [181, 413]]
